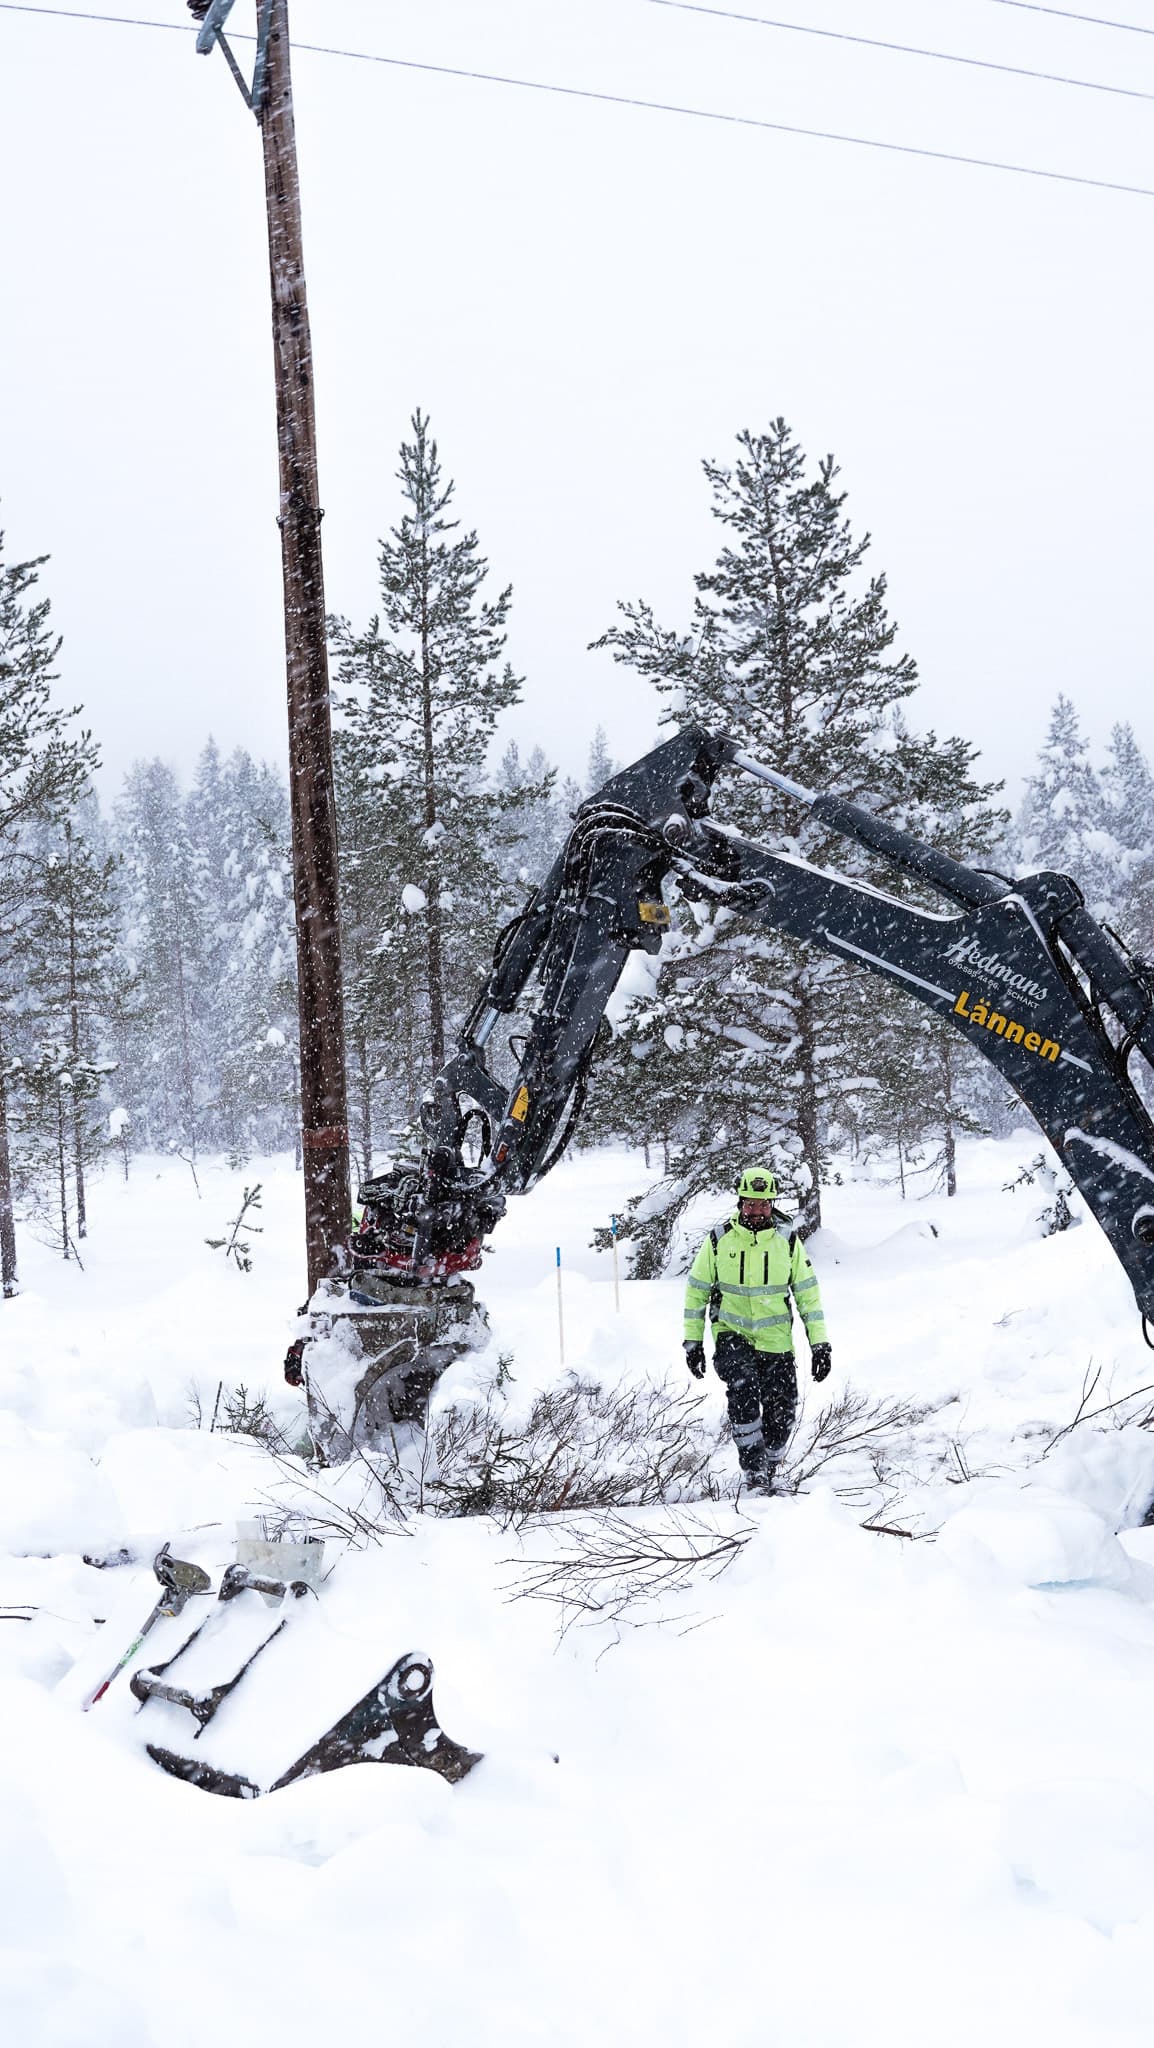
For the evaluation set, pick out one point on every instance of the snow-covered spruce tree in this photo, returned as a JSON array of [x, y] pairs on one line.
[[422, 689], [1128, 794], [72, 937], [382, 1005], [1061, 824], [601, 765], [792, 649], [44, 766], [170, 1080], [535, 828], [246, 880]]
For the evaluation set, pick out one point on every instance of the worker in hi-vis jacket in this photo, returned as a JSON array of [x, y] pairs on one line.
[[744, 1274]]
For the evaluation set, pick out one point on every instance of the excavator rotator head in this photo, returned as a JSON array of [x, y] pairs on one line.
[[423, 1222]]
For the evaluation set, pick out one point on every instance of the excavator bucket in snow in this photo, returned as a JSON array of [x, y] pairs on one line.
[[248, 1692], [395, 1723]]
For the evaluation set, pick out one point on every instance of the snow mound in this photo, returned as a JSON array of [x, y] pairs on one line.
[[1032, 1536], [51, 1498], [1086, 1846], [48, 2003]]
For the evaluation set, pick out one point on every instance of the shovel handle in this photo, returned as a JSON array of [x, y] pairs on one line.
[[129, 1654]]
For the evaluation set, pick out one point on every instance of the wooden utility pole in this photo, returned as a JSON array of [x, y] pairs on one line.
[[324, 1117]]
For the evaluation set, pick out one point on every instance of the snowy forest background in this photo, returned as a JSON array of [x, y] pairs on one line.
[[147, 955]]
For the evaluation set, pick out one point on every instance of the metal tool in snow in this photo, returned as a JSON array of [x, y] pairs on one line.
[[393, 1722], [180, 1581], [150, 1684]]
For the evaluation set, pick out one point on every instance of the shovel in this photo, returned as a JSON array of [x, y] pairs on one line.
[[179, 1581]]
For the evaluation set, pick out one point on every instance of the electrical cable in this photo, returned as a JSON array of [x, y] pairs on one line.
[[613, 99], [837, 35], [1133, 28]]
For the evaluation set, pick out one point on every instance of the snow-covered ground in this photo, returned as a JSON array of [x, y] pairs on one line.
[[860, 1788]]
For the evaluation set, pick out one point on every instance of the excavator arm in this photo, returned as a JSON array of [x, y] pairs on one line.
[[1020, 969]]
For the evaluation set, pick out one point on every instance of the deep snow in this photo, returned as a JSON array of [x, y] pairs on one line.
[[860, 1788]]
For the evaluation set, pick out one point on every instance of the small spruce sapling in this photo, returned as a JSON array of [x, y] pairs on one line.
[[234, 1246], [1057, 1214]]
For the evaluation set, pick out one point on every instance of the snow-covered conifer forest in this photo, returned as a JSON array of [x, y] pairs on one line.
[[893, 1720]]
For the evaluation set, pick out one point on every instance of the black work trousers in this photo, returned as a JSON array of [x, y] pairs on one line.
[[761, 1389]]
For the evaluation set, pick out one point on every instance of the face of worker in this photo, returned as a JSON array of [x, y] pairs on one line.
[[756, 1215]]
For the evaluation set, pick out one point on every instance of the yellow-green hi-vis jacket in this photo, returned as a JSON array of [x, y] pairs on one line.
[[751, 1275]]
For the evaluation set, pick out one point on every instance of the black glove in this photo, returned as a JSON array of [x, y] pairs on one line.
[[695, 1360], [820, 1361]]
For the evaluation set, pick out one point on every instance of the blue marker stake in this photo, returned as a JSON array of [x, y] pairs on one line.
[[616, 1277], [560, 1311]]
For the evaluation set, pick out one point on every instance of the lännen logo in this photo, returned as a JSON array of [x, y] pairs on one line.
[[967, 953], [1014, 1034]]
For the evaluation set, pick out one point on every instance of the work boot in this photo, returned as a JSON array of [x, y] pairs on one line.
[[757, 1474]]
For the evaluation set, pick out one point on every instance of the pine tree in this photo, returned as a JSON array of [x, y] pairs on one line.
[[72, 934], [792, 648], [57, 1128], [422, 828], [930, 1078], [44, 766]]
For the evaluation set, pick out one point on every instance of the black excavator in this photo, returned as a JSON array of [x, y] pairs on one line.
[[1020, 968]]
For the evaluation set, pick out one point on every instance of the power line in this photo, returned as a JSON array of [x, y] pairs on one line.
[[836, 35], [613, 99], [1131, 28], [121, 20]]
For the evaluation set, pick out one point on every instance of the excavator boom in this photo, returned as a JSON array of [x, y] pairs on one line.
[[1020, 969]]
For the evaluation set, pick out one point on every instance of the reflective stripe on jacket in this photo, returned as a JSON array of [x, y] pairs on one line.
[[752, 1275]]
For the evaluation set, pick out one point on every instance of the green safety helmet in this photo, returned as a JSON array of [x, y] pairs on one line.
[[756, 1184]]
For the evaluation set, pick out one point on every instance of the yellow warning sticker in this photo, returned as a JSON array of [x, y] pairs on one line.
[[520, 1109], [654, 913]]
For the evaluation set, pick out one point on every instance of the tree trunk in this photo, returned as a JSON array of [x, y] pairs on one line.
[[807, 1112], [949, 1147], [8, 1280], [298, 1154], [185, 1051], [66, 1243], [433, 932], [74, 1014], [365, 1095], [320, 993]]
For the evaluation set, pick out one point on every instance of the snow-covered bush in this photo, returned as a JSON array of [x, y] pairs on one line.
[[581, 1445]]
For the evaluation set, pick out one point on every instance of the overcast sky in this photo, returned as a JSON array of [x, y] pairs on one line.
[[588, 299]]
